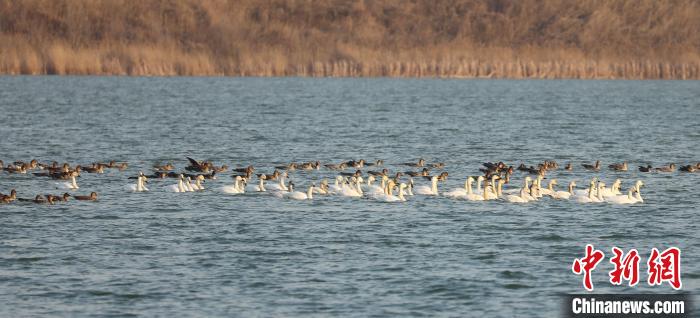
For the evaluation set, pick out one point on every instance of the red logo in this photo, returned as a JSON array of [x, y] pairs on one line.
[[665, 267], [662, 267], [587, 264]]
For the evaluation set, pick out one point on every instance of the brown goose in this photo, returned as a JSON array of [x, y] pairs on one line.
[[290, 167], [94, 168], [384, 172], [341, 166], [618, 166], [689, 168], [59, 198], [648, 168], [569, 167], [420, 163], [671, 168], [594, 167], [9, 198], [422, 173], [91, 197], [198, 166], [376, 163], [166, 167]]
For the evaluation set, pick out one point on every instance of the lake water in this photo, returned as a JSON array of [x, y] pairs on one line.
[[211, 254]]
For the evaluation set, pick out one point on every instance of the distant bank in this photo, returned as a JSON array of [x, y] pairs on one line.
[[618, 39]]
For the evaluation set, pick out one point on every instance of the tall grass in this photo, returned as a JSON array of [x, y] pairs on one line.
[[641, 39]]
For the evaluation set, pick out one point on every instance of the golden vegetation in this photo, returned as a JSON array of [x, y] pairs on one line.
[[446, 38]]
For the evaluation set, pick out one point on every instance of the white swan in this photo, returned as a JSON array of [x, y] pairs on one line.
[[517, 198], [471, 196], [351, 189], [516, 191], [491, 192], [297, 195], [139, 186], [322, 188], [587, 191], [280, 186], [460, 192], [549, 190], [563, 195], [425, 190], [197, 185], [591, 197], [389, 196], [337, 187], [638, 194], [260, 187], [72, 185], [614, 189], [179, 187], [236, 188], [188, 185], [622, 199]]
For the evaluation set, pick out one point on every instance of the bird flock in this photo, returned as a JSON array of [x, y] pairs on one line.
[[354, 179]]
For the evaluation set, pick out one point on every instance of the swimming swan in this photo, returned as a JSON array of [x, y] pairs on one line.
[[432, 190], [179, 187], [236, 188], [72, 185]]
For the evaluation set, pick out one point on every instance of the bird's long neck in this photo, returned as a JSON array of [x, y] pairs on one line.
[[262, 185], [310, 192], [73, 182], [469, 187], [434, 186], [401, 194], [571, 188]]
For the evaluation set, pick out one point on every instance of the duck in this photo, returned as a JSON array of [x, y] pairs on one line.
[[420, 163], [425, 190], [39, 199], [247, 170], [594, 167], [10, 197], [166, 167], [91, 197], [423, 173], [94, 168], [689, 168], [338, 167], [198, 166], [437, 165], [569, 167], [310, 166], [59, 198], [355, 174], [356, 164], [648, 168], [671, 168], [376, 163], [237, 187], [618, 166], [384, 172]]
